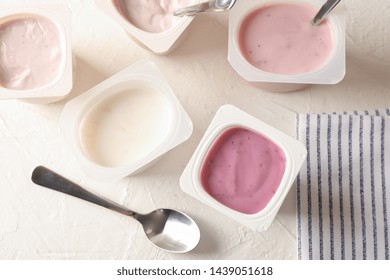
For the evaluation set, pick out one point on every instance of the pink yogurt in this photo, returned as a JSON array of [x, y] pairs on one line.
[[151, 16], [30, 53], [243, 170], [281, 39]]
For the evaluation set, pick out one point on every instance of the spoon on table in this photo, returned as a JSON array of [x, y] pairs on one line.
[[324, 10], [167, 229], [210, 6]]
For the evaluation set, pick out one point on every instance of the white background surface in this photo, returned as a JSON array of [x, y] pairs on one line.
[[37, 223]]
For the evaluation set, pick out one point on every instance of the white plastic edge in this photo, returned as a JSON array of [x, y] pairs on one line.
[[331, 73], [227, 116], [159, 43], [181, 127]]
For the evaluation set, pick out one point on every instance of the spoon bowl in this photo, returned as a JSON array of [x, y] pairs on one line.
[[167, 229], [210, 6]]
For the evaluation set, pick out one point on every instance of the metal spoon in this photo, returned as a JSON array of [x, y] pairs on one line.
[[210, 6], [167, 229], [324, 10]]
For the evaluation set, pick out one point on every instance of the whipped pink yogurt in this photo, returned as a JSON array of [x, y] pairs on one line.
[[30, 53], [280, 39], [152, 16], [243, 170]]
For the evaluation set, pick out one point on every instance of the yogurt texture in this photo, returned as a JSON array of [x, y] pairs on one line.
[[243, 170], [126, 126], [30, 53], [281, 39], [152, 16]]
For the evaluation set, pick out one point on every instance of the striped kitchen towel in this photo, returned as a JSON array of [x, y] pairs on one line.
[[343, 189]]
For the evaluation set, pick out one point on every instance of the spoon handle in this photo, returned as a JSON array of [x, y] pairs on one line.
[[324, 10], [46, 178], [192, 10]]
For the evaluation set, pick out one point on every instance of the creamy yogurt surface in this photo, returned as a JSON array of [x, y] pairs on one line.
[[126, 126], [152, 16], [281, 39], [243, 170], [30, 53]]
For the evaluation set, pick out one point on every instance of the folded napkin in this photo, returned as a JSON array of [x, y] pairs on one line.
[[343, 189]]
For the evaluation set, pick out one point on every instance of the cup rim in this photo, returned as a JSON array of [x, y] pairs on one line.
[[230, 116], [160, 42], [333, 69], [179, 130]]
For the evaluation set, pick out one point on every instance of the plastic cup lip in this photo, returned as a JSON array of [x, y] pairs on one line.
[[159, 42], [331, 71], [140, 74], [61, 85], [227, 117]]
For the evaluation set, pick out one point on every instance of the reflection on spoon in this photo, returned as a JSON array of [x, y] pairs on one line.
[[210, 6]]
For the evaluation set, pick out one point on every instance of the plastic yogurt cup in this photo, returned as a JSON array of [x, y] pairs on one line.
[[35, 53], [243, 168], [150, 23], [124, 124], [273, 44]]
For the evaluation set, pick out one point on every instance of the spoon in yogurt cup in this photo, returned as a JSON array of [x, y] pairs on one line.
[[324, 11], [210, 6], [167, 229]]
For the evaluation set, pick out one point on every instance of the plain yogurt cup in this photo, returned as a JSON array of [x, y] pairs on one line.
[[150, 23], [35, 53], [124, 124], [253, 62], [243, 168]]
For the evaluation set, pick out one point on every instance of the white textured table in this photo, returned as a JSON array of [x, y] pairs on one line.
[[37, 223]]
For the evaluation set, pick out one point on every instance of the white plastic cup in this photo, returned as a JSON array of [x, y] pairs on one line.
[[330, 72], [59, 87], [159, 43], [228, 117], [142, 74]]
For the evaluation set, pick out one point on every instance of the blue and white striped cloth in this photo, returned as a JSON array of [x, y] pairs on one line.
[[343, 189]]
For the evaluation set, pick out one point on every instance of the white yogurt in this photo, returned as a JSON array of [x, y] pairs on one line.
[[30, 53], [126, 126]]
